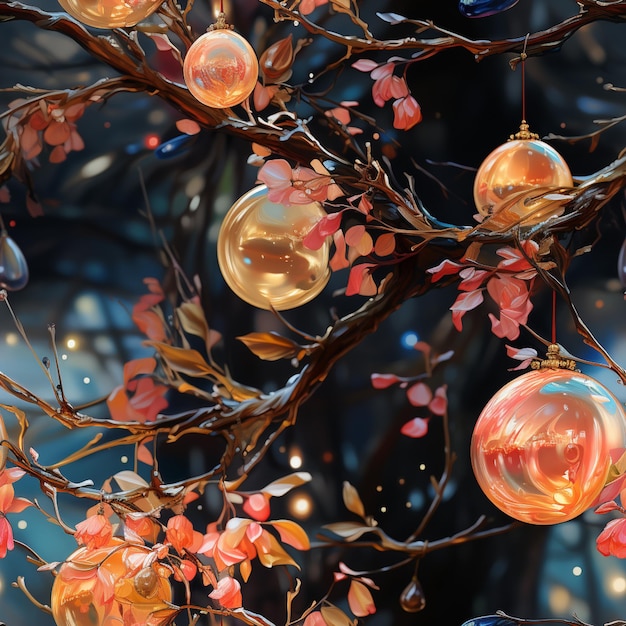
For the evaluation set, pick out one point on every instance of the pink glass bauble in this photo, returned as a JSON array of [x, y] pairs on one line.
[[261, 255], [541, 446], [112, 585], [519, 165], [221, 68], [110, 13], [621, 265]]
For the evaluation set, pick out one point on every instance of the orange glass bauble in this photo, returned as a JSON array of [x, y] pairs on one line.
[[111, 585], [541, 448], [221, 68], [261, 254], [110, 13], [522, 164]]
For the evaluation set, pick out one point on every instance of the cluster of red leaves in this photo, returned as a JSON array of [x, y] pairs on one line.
[[387, 86], [9, 503], [612, 540], [508, 284], [35, 123], [186, 553], [418, 393]]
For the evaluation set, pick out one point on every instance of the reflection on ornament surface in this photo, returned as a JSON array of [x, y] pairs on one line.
[[483, 8], [110, 13], [112, 584], [13, 266], [261, 255], [221, 68], [517, 166], [541, 446]]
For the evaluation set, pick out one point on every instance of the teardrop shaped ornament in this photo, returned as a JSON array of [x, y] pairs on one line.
[[412, 599], [484, 8], [13, 266]]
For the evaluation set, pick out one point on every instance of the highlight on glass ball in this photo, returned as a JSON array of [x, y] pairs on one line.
[[110, 13], [81, 593], [261, 254], [541, 447], [221, 68], [522, 164]]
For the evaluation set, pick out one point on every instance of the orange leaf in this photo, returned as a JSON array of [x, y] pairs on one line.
[[360, 599], [183, 360], [270, 346], [352, 500], [291, 533]]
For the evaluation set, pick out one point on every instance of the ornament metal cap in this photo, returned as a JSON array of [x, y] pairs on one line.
[[524, 132], [220, 23], [553, 360]]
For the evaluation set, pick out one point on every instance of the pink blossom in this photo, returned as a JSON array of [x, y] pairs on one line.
[[301, 185], [389, 87], [512, 297], [465, 301], [406, 113], [94, 532], [257, 506], [612, 540], [228, 593]]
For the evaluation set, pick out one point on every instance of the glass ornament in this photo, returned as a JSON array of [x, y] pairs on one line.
[[522, 164], [13, 266], [261, 254], [221, 68], [621, 265], [483, 8], [111, 584], [541, 447], [110, 13], [412, 598]]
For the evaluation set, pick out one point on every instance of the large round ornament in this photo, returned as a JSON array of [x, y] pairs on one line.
[[522, 164], [541, 446], [221, 68], [111, 585], [110, 13], [261, 254]]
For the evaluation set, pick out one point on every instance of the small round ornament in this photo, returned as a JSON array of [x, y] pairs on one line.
[[261, 254], [110, 13], [220, 67], [13, 266], [117, 583], [521, 165], [541, 448]]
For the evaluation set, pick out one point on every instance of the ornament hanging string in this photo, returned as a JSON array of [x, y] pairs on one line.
[[523, 57], [553, 316]]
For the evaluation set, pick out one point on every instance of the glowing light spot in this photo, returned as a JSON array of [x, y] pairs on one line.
[[383, 509], [599, 304], [12, 223], [11, 339], [422, 466], [559, 599], [151, 141], [327, 456], [409, 339], [618, 584], [22, 524], [71, 343], [401, 481], [295, 460], [379, 488], [96, 166], [86, 380], [64, 357], [577, 570], [300, 505], [124, 459], [408, 505]]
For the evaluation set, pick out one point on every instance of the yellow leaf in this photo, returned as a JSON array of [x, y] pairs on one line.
[[291, 533], [352, 500], [245, 569], [270, 346], [350, 531], [194, 322], [285, 484], [183, 360], [271, 553], [334, 616]]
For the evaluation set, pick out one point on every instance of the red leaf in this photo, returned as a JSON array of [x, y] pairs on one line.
[[358, 280], [416, 428], [365, 65], [439, 404], [444, 268], [419, 394], [382, 381]]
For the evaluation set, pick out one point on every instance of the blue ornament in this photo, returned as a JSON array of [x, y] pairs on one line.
[[173, 147], [13, 267], [483, 8]]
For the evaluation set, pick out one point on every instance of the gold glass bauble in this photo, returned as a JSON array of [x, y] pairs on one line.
[[109, 585], [110, 13], [261, 254], [221, 68], [541, 448], [520, 165]]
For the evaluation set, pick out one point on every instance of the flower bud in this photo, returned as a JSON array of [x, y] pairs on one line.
[[275, 62]]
